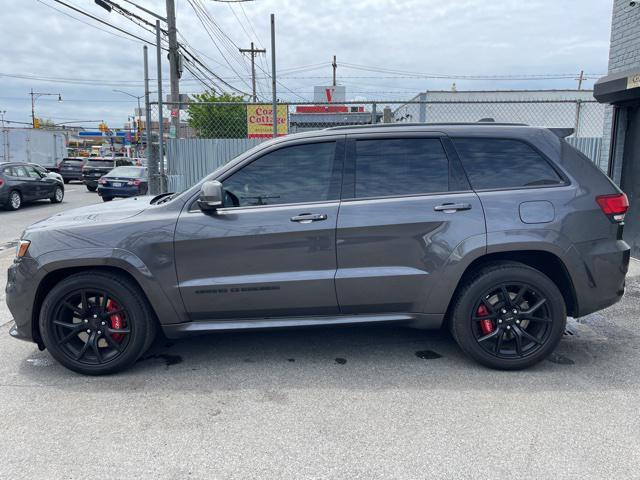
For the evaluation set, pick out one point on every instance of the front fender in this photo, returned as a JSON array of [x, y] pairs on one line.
[[166, 303]]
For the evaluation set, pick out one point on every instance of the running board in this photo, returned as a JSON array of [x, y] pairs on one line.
[[178, 330]]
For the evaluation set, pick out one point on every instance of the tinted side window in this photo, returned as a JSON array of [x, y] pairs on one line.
[[32, 172], [502, 163], [20, 172], [300, 173], [406, 166]]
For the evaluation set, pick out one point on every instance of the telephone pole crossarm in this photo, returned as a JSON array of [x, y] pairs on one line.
[[253, 52]]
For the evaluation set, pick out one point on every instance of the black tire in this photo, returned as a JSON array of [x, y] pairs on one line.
[[501, 344], [57, 315], [14, 201], [91, 189], [65, 180], [58, 195], [107, 199]]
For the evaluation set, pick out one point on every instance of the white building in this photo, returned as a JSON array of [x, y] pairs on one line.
[[575, 109]]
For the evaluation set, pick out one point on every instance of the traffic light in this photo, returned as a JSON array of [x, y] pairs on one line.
[[36, 123]]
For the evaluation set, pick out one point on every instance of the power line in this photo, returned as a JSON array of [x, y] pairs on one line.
[[103, 22], [81, 21], [211, 33]]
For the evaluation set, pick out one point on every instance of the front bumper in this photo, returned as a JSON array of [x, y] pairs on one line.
[[22, 282]]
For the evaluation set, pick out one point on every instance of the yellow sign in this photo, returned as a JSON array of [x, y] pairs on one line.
[[633, 81], [260, 121]]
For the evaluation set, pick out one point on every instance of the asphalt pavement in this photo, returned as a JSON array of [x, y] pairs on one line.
[[350, 402]]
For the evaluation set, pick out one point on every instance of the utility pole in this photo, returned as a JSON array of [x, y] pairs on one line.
[[253, 52], [160, 107], [335, 66], [580, 79], [273, 76], [152, 161], [174, 69], [5, 139]]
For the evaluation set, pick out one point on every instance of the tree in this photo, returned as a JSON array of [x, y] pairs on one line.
[[218, 121]]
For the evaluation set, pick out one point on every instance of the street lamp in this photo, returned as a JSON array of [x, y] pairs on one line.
[[137, 97], [34, 97]]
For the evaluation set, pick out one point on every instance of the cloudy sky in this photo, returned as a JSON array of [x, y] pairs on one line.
[[386, 49]]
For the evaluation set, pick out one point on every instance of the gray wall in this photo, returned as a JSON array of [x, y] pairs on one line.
[[624, 54]]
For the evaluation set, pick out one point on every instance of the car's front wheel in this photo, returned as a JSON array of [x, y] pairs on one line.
[[58, 195], [96, 322], [508, 316]]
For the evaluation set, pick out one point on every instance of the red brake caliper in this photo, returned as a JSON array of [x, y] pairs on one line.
[[116, 320], [485, 325]]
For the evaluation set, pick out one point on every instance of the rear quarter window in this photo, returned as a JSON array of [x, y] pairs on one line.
[[496, 163]]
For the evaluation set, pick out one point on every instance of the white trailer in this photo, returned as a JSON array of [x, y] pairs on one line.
[[44, 147]]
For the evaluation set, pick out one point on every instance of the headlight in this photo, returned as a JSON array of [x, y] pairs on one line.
[[21, 249]]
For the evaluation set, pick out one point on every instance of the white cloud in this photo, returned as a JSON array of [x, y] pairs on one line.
[[482, 37]]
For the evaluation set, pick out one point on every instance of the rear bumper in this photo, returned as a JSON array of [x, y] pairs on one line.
[[599, 270], [71, 175], [118, 192]]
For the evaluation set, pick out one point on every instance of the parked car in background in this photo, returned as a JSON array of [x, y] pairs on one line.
[[123, 182], [96, 167], [22, 182], [71, 168]]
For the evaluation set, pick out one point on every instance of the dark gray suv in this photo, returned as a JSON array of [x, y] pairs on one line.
[[497, 231]]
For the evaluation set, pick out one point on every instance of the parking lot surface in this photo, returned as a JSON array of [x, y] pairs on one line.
[[351, 402]]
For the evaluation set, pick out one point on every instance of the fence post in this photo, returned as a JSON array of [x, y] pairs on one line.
[[577, 126], [374, 113], [422, 116]]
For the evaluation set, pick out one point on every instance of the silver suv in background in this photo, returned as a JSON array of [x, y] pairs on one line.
[[496, 231]]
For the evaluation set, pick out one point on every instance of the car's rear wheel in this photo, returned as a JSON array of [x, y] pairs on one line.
[[107, 199], [508, 316], [58, 195], [91, 188], [15, 200], [96, 323]]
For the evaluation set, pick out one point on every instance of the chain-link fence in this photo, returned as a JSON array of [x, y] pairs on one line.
[[201, 136]]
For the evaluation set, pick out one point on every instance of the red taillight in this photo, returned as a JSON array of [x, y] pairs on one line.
[[615, 205], [102, 181], [134, 182], [1, 182]]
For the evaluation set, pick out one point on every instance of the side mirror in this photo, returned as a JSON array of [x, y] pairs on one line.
[[211, 196]]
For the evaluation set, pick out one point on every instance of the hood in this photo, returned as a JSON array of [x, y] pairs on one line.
[[100, 213]]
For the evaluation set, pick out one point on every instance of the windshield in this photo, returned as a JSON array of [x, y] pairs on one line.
[[73, 161], [129, 172], [100, 163]]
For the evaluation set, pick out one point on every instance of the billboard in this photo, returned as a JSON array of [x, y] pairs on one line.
[[331, 94], [260, 120]]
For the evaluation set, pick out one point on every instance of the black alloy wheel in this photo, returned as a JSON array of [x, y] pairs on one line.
[[91, 327], [96, 322], [511, 320], [508, 316]]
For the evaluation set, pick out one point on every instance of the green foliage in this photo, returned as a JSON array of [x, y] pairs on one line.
[[218, 121]]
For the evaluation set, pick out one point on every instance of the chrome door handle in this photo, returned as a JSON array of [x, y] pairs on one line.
[[309, 217], [452, 207]]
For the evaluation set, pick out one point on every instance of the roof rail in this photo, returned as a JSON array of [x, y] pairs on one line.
[[416, 124]]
